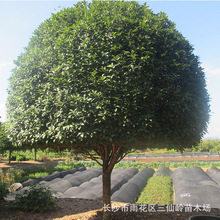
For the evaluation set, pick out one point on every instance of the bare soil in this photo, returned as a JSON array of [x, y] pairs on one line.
[[73, 209], [148, 160], [30, 163]]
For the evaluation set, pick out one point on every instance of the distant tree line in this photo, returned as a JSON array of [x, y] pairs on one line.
[[208, 146]]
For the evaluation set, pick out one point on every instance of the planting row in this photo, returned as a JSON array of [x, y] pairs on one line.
[[194, 186], [173, 155], [191, 185], [126, 184]]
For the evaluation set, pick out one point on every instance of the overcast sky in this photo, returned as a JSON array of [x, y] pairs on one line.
[[198, 21]]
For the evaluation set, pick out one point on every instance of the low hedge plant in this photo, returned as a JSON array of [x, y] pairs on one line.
[[3, 192], [37, 199]]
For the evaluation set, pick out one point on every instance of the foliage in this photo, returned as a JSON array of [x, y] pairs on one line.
[[36, 199], [5, 143], [3, 192], [20, 158], [22, 175], [29, 154], [159, 190], [13, 158], [141, 165], [13, 175], [108, 73], [45, 157], [156, 165], [154, 151], [208, 146], [7, 177], [2, 138]]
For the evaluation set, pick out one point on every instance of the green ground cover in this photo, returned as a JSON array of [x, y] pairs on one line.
[[159, 190], [141, 165]]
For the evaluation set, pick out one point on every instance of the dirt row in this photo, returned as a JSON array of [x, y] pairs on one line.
[[173, 159], [54, 162]]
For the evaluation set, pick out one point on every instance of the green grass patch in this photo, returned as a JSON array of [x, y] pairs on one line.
[[154, 151], [159, 190], [156, 165]]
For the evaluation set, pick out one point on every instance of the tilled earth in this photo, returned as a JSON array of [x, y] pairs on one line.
[[148, 160], [73, 209]]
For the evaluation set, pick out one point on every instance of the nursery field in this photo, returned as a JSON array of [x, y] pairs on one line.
[[130, 180], [191, 185]]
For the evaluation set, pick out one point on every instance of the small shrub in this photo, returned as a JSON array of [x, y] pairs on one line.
[[3, 192], [13, 158], [45, 157], [20, 158], [2, 175], [37, 199], [37, 175], [7, 177], [28, 157]]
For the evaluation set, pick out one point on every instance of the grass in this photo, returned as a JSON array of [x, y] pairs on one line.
[[13, 175], [42, 155], [156, 165], [159, 190], [154, 151]]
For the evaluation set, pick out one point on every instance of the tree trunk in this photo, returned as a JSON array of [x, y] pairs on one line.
[[76, 155], [106, 180], [9, 159], [35, 154]]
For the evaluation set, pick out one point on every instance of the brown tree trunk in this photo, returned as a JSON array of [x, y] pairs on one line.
[[110, 155], [106, 180], [9, 159], [35, 153]]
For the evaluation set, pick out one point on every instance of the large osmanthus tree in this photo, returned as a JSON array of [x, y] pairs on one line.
[[104, 78]]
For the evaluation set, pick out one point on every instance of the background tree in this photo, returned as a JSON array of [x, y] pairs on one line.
[[1, 137], [104, 78], [208, 146], [5, 143]]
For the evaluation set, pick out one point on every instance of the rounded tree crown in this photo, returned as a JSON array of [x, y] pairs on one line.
[[108, 71]]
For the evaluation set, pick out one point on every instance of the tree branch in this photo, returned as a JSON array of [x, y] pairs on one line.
[[114, 157], [91, 156]]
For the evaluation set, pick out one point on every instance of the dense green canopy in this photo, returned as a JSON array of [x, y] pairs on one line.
[[108, 72]]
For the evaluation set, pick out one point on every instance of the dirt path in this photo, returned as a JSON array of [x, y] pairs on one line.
[[30, 163], [148, 160], [84, 209]]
